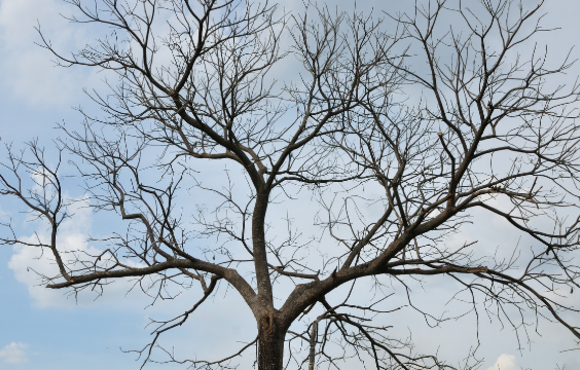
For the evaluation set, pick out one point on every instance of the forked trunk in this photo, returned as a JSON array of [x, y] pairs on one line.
[[270, 344]]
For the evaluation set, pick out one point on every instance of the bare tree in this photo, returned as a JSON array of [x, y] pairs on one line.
[[438, 120]]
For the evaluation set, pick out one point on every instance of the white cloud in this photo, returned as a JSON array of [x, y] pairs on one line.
[[505, 362], [14, 353], [27, 262]]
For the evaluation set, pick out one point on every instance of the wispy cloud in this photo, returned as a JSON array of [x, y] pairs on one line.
[[14, 353], [26, 69]]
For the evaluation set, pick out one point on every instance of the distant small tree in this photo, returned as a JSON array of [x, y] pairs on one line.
[[437, 120]]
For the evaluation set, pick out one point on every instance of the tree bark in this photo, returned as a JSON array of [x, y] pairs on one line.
[[270, 343]]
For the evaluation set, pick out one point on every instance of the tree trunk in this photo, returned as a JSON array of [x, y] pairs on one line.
[[270, 343]]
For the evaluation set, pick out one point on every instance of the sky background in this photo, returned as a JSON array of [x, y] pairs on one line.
[[45, 329]]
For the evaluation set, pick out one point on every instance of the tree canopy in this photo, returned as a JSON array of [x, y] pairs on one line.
[[229, 124]]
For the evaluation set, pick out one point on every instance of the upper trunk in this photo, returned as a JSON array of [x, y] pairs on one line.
[[270, 343]]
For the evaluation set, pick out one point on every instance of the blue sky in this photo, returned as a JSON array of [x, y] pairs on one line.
[[42, 329]]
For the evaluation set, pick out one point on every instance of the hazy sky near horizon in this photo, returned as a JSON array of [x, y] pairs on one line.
[[45, 329]]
